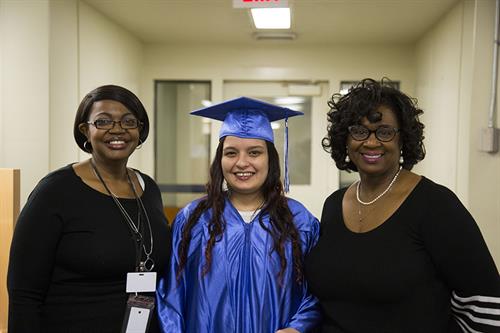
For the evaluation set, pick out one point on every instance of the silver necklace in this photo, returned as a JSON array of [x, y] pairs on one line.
[[381, 194]]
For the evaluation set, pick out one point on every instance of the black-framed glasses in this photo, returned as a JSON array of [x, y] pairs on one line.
[[107, 124], [382, 133]]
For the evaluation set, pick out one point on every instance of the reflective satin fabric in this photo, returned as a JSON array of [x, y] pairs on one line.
[[241, 292]]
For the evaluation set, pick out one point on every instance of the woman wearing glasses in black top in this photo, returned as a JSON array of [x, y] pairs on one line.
[[397, 252], [86, 225]]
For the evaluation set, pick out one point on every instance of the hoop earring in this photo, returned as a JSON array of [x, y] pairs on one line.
[[87, 149], [139, 146], [401, 158]]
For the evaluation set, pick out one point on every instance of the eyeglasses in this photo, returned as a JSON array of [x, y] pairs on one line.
[[382, 133], [107, 124]]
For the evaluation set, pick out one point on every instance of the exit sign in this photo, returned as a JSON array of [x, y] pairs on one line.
[[260, 3]]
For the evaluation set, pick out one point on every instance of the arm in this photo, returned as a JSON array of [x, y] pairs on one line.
[[308, 315], [170, 294], [462, 259], [32, 257]]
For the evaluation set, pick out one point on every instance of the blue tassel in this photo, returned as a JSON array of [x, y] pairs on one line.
[[287, 177]]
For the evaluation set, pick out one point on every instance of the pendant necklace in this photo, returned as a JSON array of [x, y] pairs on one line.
[[378, 196], [148, 264], [364, 203], [360, 216]]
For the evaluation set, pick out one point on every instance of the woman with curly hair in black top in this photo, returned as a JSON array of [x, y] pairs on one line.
[[397, 252]]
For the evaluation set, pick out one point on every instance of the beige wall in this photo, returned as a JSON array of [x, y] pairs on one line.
[[484, 168], [52, 53], [108, 54], [64, 81], [438, 91], [454, 63], [24, 94], [284, 62]]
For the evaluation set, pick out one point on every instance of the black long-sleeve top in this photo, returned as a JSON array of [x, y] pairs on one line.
[[70, 254], [426, 269]]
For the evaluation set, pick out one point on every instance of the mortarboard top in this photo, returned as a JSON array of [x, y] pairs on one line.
[[249, 118], [246, 117]]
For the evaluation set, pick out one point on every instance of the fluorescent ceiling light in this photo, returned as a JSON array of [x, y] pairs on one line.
[[271, 18], [289, 100]]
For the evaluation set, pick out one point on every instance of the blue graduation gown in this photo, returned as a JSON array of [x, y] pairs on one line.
[[241, 292]]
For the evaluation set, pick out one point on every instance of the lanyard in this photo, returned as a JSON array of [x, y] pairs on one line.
[[148, 264]]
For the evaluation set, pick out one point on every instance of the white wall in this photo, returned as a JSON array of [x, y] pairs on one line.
[[64, 81], [24, 89], [51, 54], [108, 54], [484, 173], [453, 84], [438, 91], [283, 62]]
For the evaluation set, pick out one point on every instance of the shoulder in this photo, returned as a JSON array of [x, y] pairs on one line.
[[61, 177], [436, 193], [190, 207], [297, 207], [441, 206], [306, 223], [183, 215], [303, 218], [62, 173], [52, 187], [337, 196], [146, 178]]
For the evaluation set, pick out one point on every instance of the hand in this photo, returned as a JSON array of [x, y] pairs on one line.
[[288, 330]]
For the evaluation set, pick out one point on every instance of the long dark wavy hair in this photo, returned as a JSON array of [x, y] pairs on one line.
[[282, 229], [363, 100]]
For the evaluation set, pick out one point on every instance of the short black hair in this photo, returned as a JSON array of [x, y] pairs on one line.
[[363, 100], [114, 93]]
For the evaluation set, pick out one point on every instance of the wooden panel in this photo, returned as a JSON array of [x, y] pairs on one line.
[[170, 213], [9, 210]]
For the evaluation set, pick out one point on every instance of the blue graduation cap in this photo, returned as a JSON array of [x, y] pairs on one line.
[[249, 118]]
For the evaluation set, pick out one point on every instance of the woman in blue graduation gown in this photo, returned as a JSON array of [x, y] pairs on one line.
[[238, 252]]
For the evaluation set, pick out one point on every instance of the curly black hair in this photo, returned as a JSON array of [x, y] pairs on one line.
[[363, 100]]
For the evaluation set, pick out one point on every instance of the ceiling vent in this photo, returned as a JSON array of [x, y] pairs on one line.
[[285, 35]]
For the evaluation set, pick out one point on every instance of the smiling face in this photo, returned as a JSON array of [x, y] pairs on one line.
[[113, 144], [372, 156], [245, 164]]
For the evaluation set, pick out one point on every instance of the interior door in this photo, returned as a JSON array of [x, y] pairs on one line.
[[313, 176]]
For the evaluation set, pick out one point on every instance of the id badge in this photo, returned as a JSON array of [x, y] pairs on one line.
[[141, 282], [138, 314]]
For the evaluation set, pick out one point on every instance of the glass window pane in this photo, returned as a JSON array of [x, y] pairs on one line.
[[182, 145], [299, 140]]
